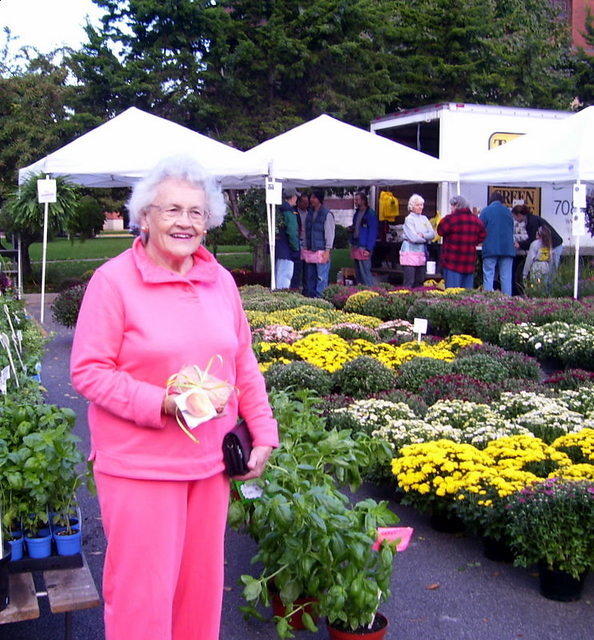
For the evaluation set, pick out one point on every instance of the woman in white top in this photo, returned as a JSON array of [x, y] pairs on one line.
[[417, 232]]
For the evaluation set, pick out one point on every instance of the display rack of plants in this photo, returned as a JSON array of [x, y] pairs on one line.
[[53, 561], [4, 562]]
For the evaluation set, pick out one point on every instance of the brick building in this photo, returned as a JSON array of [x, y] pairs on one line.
[[575, 12]]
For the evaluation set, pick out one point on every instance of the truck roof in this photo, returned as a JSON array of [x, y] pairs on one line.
[[434, 111]]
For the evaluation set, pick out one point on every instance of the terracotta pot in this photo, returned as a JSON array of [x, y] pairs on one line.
[[378, 631], [296, 620], [560, 585]]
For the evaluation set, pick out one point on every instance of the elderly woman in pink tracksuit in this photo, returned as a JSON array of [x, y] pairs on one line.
[[159, 306]]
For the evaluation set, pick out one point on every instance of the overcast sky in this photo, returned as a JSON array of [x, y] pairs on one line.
[[47, 24]]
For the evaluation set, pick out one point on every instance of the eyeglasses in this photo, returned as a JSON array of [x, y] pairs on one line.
[[171, 213]]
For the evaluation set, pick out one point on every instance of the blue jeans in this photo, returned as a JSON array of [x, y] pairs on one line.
[[455, 279], [504, 267], [316, 279], [283, 273], [363, 272]]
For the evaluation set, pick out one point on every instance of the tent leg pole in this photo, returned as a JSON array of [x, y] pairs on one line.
[[271, 226], [576, 267], [43, 261]]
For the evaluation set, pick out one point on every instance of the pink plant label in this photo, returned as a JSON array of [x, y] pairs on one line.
[[400, 534]]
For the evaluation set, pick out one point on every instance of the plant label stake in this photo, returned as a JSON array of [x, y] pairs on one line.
[[15, 338], [400, 535], [4, 376], [5, 340], [420, 327]]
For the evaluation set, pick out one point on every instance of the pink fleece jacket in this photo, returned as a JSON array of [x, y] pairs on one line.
[[139, 324]]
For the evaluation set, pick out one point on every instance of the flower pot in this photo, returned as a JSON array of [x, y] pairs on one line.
[[68, 544], [16, 545], [296, 620], [377, 631], [497, 550], [4, 584], [39, 547], [560, 585], [446, 522]]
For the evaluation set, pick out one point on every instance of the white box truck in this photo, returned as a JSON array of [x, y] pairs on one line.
[[456, 132]]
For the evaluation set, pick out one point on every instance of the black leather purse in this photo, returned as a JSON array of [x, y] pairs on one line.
[[237, 447]]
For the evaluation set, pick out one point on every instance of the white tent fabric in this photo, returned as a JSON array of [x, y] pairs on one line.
[[563, 153], [328, 152], [122, 150]]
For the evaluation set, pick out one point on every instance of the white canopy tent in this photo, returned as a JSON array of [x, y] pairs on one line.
[[562, 154], [328, 152], [123, 149], [565, 154]]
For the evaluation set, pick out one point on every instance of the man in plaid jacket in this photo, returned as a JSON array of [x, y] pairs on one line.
[[461, 231]]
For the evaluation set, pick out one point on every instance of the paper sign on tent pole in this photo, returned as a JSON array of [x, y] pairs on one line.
[[46, 193], [578, 228], [273, 197]]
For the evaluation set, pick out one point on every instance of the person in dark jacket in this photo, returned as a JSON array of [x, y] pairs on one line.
[[362, 237], [461, 231], [498, 247], [533, 224], [319, 240], [287, 240], [298, 279]]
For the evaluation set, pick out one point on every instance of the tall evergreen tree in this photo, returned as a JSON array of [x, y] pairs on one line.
[[508, 52]]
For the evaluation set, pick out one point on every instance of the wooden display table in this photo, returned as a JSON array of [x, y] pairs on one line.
[[67, 590]]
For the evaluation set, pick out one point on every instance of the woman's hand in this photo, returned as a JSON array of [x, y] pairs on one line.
[[256, 463], [168, 407]]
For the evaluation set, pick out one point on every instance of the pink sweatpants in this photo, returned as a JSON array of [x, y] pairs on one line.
[[163, 573]]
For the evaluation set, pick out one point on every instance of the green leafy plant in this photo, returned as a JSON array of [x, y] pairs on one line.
[[362, 376], [480, 367], [311, 542], [66, 306], [414, 373], [552, 522], [298, 375]]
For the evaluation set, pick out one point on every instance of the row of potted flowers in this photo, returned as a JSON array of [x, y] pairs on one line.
[[534, 499]]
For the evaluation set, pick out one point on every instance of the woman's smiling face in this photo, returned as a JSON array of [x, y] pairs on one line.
[[175, 222]]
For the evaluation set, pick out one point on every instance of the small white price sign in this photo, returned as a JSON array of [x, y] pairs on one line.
[[46, 191], [420, 325], [274, 193]]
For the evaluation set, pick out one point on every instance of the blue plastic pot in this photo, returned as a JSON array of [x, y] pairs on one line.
[[68, 544], [40, 547], [16, 546]]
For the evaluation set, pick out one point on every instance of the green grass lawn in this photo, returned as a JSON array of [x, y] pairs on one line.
[[96, 251], [98, 248]]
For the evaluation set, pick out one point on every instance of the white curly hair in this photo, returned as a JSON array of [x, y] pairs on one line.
[[182, 168]]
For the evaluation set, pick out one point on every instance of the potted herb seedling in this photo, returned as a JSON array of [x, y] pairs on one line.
[[307, 533], [67, 525]]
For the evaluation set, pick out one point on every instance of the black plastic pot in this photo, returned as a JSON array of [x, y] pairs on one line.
[[4, 585], [497, 550], [560, 585], [446, 522]]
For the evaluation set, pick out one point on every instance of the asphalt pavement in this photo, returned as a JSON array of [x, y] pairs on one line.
[[443, 587]]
